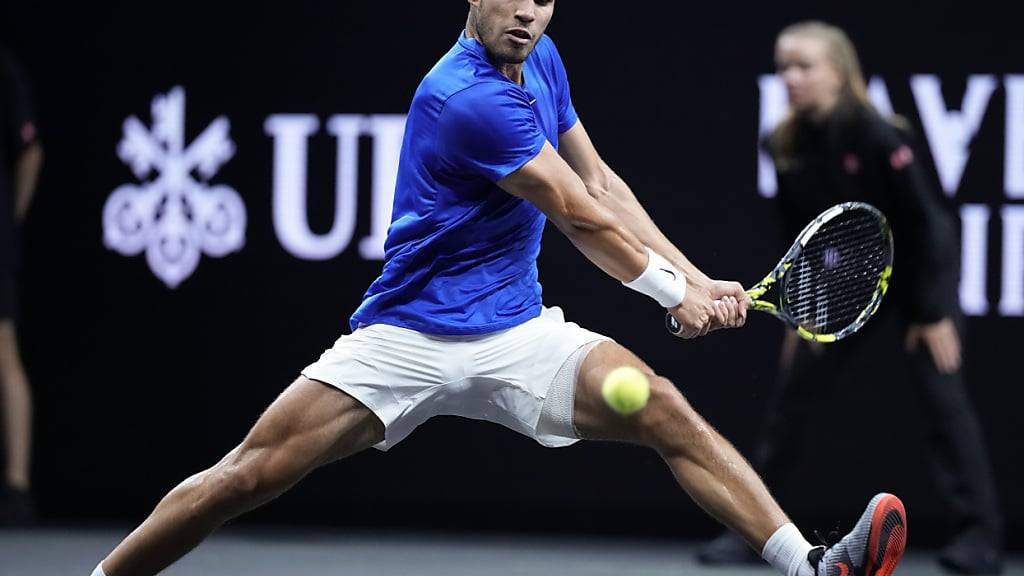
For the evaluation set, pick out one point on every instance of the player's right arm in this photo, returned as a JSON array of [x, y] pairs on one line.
[[489, 130], [549, 183], [612, 192]]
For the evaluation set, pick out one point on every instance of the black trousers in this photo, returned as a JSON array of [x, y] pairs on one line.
[[954, 445]]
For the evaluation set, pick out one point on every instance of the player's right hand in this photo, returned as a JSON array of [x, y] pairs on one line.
[[718, 305], [734, 301], [697, 312]]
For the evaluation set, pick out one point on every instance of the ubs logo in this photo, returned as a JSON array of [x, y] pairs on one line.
[[175, 214]]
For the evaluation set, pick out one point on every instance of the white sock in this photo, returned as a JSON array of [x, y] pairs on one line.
[[787, 552], [99, 570]]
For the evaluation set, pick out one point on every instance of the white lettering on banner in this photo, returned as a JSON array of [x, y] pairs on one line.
[[950, 131], [879, 95], [1011, 303], [773, 109], [974, 257], [387, 131], [1014, 169], [291, 133], [174, 217]]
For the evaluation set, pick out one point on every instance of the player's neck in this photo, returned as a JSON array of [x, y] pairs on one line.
[[513, 72]]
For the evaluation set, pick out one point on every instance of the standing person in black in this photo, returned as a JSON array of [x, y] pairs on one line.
[[21, 157], [834, 147]]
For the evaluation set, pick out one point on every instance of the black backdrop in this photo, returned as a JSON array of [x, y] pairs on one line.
[[139, 385]]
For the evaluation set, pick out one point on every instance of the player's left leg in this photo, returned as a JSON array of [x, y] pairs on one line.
[[309, 425], [721, 481]]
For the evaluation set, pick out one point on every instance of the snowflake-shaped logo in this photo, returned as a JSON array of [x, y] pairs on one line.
[[175, 215]]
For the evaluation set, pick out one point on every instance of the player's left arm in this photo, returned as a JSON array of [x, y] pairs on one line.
[[612, 192]]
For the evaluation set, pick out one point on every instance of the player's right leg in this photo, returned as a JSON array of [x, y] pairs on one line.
[[308, 425], [704, 463], [801, 390], [721, 481]]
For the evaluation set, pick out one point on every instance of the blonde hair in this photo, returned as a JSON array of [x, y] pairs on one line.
[[842, 56]]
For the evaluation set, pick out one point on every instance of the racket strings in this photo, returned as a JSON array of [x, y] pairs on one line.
[[831, 312], [835, 277], [854, 243], [818, 296], [835, 285], [807, 284], [840, 289]]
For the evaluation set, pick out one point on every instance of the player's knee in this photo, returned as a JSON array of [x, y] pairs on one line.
[[242, 482], [668, 421], [236, 484]]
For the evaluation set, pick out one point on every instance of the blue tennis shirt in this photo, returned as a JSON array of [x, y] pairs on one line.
[[461, 253]]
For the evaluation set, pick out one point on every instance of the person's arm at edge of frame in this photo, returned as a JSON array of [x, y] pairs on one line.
[[935, 279], [26, 177]]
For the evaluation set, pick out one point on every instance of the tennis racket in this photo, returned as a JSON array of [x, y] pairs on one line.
[[834, 277]]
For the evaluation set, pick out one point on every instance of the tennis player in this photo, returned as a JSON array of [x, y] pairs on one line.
[[455, 323]]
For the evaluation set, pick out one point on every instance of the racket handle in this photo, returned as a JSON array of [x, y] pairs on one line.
[[672, 325]]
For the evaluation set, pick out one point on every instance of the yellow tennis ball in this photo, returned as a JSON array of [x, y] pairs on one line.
[[626, 389]]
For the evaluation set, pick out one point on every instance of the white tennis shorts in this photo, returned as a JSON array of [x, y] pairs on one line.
[[522, 378]]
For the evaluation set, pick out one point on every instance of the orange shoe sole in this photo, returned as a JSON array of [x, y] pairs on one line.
[[888, 538]]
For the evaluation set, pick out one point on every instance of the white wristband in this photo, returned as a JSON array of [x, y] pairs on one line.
[[661, 281]]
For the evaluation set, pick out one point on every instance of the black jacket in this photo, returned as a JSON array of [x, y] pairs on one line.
[[855, 155]]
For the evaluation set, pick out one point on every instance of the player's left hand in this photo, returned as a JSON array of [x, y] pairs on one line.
[[941, 340], [731, 305]]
